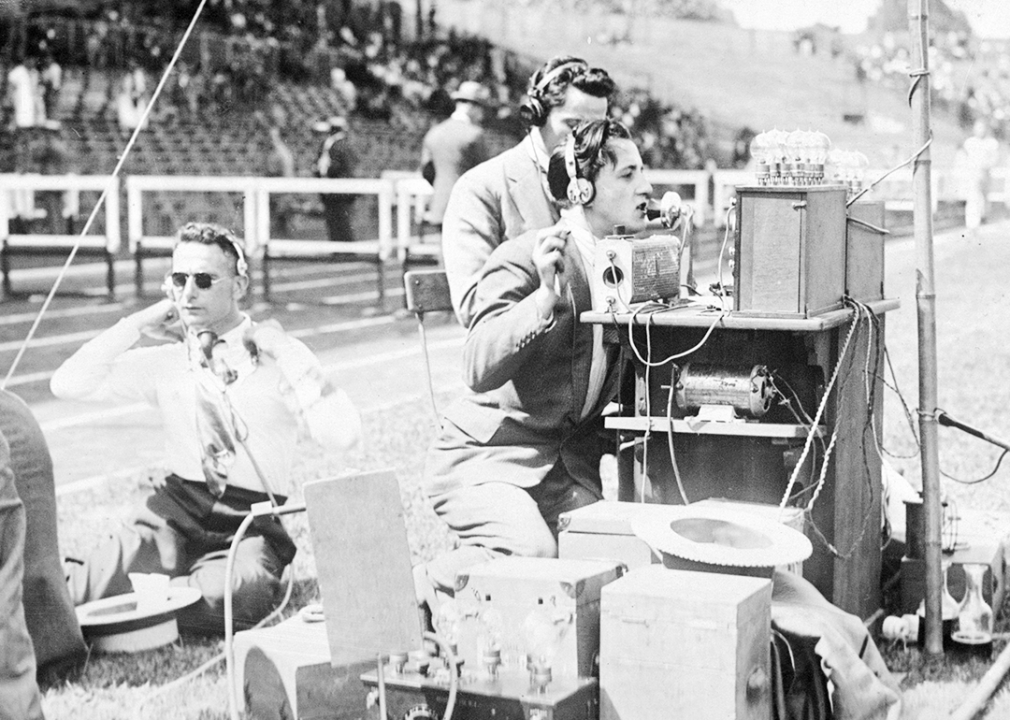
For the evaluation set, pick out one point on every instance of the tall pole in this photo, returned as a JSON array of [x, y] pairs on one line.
[[925, 297]]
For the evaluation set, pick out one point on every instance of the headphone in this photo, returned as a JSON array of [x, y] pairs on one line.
[[580, 190], [241, 264], [532, 110]]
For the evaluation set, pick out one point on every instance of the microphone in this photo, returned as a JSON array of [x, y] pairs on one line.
[[665, 213]]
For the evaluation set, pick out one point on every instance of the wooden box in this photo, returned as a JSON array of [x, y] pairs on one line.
[[284, 671], [790, 250], [682, 644], [864, 252], [501, 595]]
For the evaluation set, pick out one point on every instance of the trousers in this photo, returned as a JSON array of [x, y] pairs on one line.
[[185, 532], [495, 519]]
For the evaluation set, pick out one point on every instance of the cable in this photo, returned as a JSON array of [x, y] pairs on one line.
[[820, 411], [255, 512], [669, 439], [648, 336], [909, 161], [101, 198], [450, 658]]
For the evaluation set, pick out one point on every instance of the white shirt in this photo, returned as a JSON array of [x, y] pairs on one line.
[[271, 399], [22, 88], [585, 242]]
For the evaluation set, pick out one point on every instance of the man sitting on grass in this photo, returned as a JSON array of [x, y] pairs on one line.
[[234, 397]]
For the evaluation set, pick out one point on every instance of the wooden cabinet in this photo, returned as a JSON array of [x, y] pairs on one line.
[[753, 460]]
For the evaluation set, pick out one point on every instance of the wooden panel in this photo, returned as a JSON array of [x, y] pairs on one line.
[[824, 244], [864, 253], [359, 538]]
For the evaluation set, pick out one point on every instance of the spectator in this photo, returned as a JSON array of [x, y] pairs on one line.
[[347, 94], [132, 98], [52, 82], [980, 154], [336, 160], [453, 146], [50, 156], [280, 162], [23, 93]]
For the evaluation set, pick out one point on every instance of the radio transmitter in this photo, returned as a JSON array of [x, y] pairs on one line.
[[629, 271]]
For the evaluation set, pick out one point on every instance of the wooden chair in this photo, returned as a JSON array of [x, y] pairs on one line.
[[427, 291]]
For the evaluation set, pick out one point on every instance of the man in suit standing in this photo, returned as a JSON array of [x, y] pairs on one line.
[[453, 146], [521, 446], [336, 160], [506, 196]]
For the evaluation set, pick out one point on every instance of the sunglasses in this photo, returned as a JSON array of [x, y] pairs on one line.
[[203, 280]]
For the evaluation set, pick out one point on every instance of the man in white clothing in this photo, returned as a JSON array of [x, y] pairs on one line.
[[234, 397]]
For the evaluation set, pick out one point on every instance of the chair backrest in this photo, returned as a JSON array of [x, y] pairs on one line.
[[427, 291]]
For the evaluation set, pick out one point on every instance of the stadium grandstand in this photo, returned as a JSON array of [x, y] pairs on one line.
[[389, 68]]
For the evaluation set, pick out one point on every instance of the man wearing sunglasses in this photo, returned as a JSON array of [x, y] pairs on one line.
[[234, 397]]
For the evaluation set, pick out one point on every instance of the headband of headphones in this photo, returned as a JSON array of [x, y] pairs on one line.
[[221, 233], [552, 74]]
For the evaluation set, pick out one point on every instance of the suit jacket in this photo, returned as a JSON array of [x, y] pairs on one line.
[[528, 383], [495, 201], [453, 146]]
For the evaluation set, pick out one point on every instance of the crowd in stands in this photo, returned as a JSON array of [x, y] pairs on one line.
[[968, 77], [376, 68]]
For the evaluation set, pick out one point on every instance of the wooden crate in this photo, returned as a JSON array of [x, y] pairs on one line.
[[790, 250], [682, 644]]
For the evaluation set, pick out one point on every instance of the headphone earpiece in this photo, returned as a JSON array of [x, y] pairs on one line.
[[241, 264], [580, 190], [532, 109]]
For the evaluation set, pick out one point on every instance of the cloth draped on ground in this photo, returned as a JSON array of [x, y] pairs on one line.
[[825, 664]]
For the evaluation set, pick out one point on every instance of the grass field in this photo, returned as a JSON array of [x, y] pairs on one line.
[[972, 325]]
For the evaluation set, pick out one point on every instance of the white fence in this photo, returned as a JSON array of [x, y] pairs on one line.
[[18, 200], [400, 237]]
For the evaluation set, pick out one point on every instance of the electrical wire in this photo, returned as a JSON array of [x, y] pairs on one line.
[[669, 440], [228, 610], [648, 336], [101, 198], [820, 411]]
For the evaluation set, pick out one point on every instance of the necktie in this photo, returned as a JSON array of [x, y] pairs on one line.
[[217, 442]]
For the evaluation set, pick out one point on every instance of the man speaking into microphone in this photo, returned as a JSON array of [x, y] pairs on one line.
[[522, 446], [234, 396]]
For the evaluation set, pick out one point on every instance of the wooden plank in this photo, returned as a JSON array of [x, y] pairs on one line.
[[739, 429], [703, 316]]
